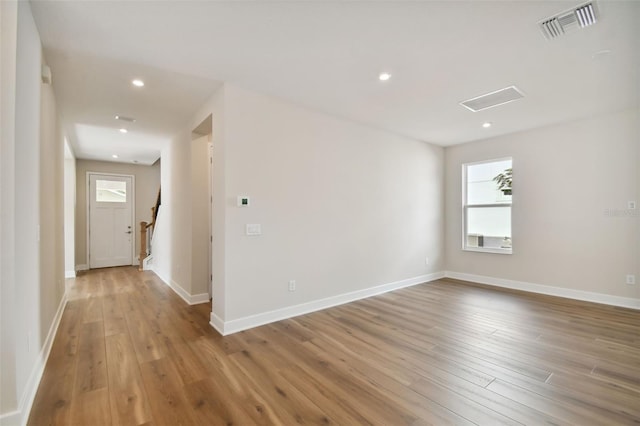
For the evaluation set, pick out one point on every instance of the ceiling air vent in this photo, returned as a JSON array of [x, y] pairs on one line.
[[123, 118], [578, 17], [488, 100]]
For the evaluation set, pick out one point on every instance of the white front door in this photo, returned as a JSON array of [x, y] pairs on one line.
[[110, 220]]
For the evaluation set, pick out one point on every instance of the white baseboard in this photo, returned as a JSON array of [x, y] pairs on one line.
[[12, 418], [217, 323], [194, 299], [236, 325], [625, 302], [82, 267], [21, 416], [147, 263], [69, 274]]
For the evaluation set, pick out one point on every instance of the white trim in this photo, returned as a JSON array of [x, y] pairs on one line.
[[184, 295], [625, 302], [196, 299], [147, 263], [69, 274], [236, 325], [493, 250], [133, 212], [11, 418], [21, 415], [82, 267], [217, 323]]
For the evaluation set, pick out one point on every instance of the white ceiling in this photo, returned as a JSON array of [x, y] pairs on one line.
[[327, 55]]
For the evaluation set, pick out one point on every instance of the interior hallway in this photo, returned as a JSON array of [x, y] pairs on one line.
[[130, 351]]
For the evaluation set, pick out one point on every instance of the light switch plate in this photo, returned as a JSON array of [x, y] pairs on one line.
[[254, 229]]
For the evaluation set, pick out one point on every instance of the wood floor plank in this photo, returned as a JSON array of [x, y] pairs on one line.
[[114, 322], [67, 337], [129, 402], [421, 406], [93, 310], [288, 406], [166, 393], [91, 408], [129, 351], [213, 403], [92, 363], [574, 412], [52, 404], [600, 392]]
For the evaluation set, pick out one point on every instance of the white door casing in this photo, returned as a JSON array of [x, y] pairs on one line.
[[210, 218], [110, 219]]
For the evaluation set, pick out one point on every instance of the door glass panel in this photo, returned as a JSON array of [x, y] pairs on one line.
[[111, 191]]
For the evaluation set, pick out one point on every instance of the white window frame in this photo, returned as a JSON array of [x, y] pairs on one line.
[[465, 208]]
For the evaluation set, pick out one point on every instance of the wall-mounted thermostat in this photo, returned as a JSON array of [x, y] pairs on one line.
[[243, 201]]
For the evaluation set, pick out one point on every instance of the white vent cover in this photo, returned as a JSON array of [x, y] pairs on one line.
[[489, 100], [579, 17], [123, 118]]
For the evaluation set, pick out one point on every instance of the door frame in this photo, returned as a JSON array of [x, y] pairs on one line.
[[210, 217], [133, 212]]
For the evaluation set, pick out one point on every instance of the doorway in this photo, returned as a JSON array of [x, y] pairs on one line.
[[110, 219], [201, 187]]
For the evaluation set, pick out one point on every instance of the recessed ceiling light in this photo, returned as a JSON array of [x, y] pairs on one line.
[[137, 82], [486, 125], [123, 130], [115, 155], [384, 76]]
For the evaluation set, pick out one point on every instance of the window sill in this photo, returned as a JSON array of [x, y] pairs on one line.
[[489, 250]]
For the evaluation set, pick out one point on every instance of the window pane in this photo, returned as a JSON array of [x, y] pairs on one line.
[[111, 191], [481, 188], [489, 227]]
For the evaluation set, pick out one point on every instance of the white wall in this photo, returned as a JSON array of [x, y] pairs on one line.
[[69, 212], [343, 207], [147, 185], [173, 259], [566, 178], [51, 203], [27, 204], [200, 227], [32, 243], [8, 40]]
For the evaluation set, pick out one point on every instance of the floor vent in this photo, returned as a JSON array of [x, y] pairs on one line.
[[576, 18]]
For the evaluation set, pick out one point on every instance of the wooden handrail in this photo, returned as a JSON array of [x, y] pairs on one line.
[[154, 209], [143, 231], [143, 244]]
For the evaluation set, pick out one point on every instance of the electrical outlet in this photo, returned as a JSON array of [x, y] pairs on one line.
[[426, 260], [292, 285], [631, 205], [631, 279]]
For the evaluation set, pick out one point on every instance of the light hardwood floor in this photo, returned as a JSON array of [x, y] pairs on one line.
[[130, 352]]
